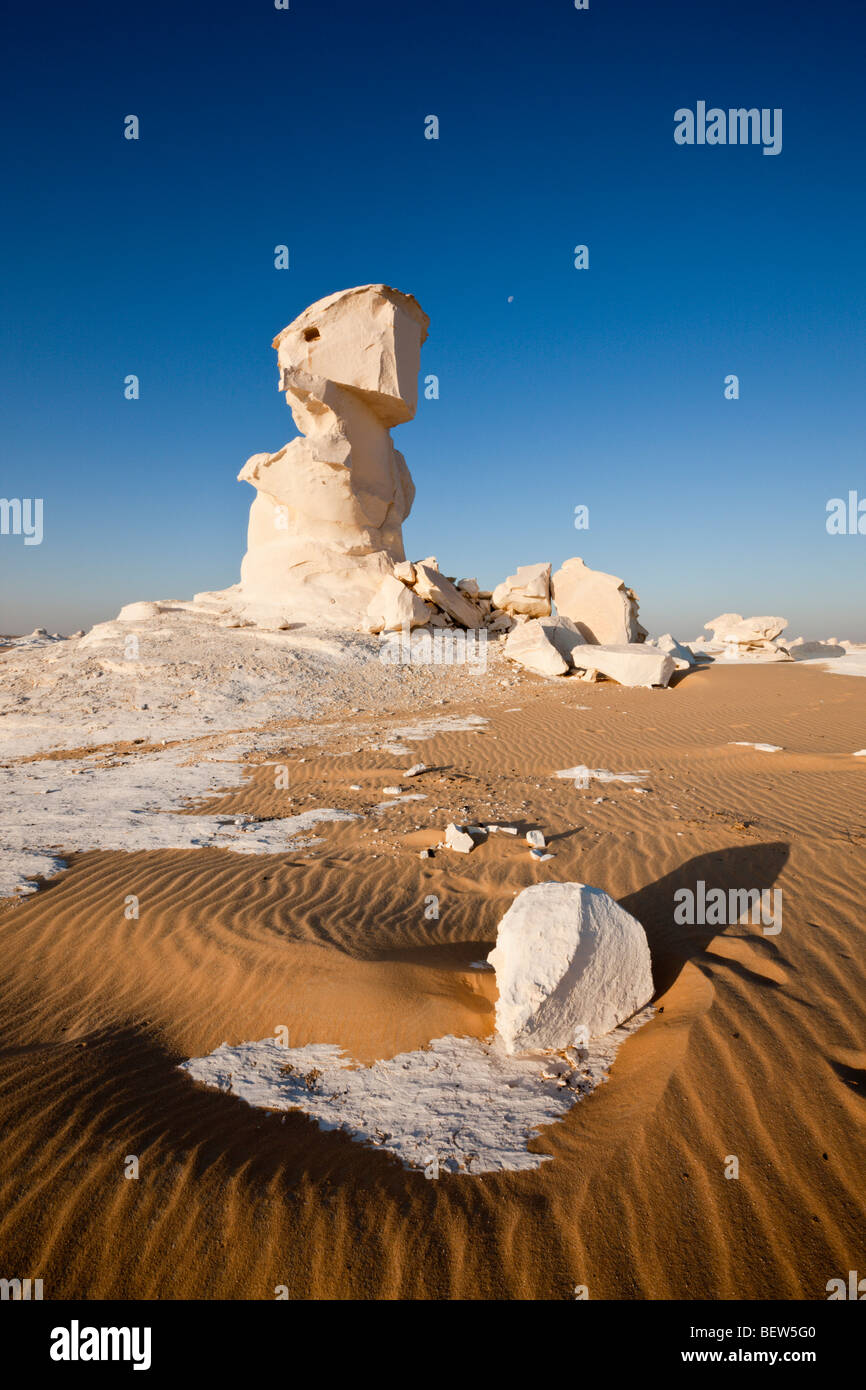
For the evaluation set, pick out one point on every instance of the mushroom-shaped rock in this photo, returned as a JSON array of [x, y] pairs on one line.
[[325, 525], [570, 964], [732, 627], [529, 645], [600, 604], [527, 592]]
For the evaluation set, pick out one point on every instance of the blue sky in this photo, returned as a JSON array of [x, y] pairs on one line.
[[558, 387]]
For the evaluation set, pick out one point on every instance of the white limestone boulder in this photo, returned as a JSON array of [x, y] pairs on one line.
[[526, 592], [571, 964], [394, 607], [565, 636], [628, 663], [683, 656], [600, 604], [529, 645]]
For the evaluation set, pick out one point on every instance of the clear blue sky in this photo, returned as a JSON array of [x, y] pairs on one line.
[[558, 387]]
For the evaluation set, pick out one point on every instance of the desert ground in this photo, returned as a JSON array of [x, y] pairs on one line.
[[756, 1048]]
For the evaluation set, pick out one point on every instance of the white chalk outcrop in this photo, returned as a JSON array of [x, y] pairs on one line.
[[325, 544], [571, 964], [747, 638], [600, 604], [526, 592], [325, 524]]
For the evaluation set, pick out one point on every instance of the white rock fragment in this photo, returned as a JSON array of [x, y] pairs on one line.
[[565, 636], [630, 663], [585, 775], [393, 607], [535, 838], [415, 770], [458, 839], [570, 964], [529, 645], [436, 589], [761, 747], [682, 656], [525, 592]]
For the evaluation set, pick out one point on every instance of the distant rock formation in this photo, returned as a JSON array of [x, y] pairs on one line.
[[753, 638], [325, 542]]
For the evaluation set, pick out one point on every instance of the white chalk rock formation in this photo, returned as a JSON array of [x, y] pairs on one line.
[[683, 657], [628, 663], [748, 637], [600, 604], [138, 612], [570, 964], [529, 645], [325, 524], [394, 607], [526, 592]]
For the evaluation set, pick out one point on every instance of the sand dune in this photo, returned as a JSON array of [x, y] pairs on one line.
[[756, 1051]]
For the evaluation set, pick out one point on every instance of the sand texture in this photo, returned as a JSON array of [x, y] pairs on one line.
[[756, 1049]]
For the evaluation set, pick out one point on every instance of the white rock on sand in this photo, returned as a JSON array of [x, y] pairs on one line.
[[458, 839], [583, 775], [529, 645], [570, 964], [683, 656], [633, 663], [600, 604]]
